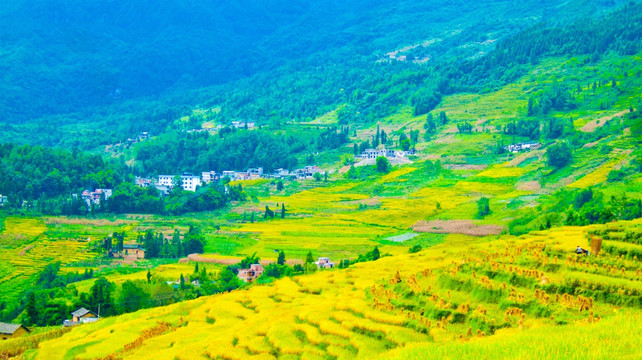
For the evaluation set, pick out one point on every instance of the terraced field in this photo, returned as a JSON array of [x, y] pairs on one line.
[[464, 295]]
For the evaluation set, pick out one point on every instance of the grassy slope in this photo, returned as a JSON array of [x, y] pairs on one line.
[[328, 219], [335, 314]]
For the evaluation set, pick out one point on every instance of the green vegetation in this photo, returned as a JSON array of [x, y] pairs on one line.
[[522, 146]]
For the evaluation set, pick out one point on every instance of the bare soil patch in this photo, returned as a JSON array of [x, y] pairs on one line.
[[590, 145], [465, 227], [450, 139], [25, 250], [592, 125], [529, 186], [523, 157]]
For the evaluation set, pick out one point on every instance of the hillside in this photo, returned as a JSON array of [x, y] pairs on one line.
[[456, 295], [501, 146], [139, 67]]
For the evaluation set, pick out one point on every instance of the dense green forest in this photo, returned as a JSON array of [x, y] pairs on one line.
[[158, 62], [30, 172]]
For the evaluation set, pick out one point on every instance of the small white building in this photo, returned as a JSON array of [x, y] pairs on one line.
[[209, 176], [166, 180], [324, 263], [3, 200], [190, 182]]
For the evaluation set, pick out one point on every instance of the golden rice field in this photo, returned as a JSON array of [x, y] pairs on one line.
[[26, 248], [167, 272], [466, 298], [598, 175]]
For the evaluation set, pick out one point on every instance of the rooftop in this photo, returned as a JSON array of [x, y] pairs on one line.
[[9, 328], [81, 312]]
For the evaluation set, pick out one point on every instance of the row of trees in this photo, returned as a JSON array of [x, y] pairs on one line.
[[157, 245]]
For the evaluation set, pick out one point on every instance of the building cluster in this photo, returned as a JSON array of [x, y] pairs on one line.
[[189, 181], [140, 137], [515, 148], [94, 197], [387, 153]]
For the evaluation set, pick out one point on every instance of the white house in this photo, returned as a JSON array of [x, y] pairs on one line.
[[324, 263], [189, 182], [166, 180], [209, 176]]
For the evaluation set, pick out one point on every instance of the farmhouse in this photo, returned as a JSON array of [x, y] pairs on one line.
[[375, 153], [514, 148], [135, 251], [12, 331], [251, 274], [81, 316], [324, 263], [3, 200]]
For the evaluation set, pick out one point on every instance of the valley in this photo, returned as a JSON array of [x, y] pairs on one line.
[[476, 195]]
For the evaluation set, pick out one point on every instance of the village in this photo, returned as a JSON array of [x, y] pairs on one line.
[[136, 252]]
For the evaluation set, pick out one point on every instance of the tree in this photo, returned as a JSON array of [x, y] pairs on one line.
[[100, 296], [483, 207], [193, 241], [375, 253], [268, 212], [149, 276], [196, 267], [228, 281], [531, 110], [132, 297], [281, 258], [414, 136], [317, 176], [182, 282], [282, 211], [279, 185], [559, 155], [309, 258], [383, 165], [443, 119], [31, 310], [404, 142]]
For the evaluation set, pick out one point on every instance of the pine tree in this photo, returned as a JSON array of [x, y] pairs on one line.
[[149, 276], [309, 258], [281, 258], [282, 211], [31, 310], [375, 253]]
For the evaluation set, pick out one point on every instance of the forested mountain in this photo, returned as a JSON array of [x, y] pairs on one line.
[[110, 69]]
